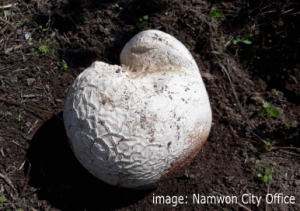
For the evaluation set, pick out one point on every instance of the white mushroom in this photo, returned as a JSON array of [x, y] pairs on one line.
[[132, 126]]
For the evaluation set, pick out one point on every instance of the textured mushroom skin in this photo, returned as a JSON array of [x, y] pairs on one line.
[[132, 125]]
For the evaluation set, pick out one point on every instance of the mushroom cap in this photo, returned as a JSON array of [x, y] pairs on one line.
[[132, 126]]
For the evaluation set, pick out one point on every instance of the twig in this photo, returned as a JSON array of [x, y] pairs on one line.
[[126, 5], [29, 108], [33, 126], [47, 93], [6, 68], [30, 96], [22, 165], [13, 48], [8, 181], [230, 38], [233, 89], [8, 6], [32, 209], [237, 99], [19, 70], [27, 180], [2, 153], [289, 153], [25, 106], [281, 148], [8, 23], [18, 144]]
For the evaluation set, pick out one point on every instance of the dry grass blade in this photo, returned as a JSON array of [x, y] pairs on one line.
[[8, 6], [27, 180], [29, 108], [8, 181], [32, 126], [25, 106], [8, 23], [17, 47]]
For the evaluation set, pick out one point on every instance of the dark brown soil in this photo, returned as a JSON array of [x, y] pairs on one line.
[[38, 170]]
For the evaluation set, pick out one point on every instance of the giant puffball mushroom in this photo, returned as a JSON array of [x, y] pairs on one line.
[[133, 125]]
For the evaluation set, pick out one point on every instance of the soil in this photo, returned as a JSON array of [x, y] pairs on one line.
[[248, 58]]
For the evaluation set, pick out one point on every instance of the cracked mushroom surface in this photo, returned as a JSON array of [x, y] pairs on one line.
[[133, 125]]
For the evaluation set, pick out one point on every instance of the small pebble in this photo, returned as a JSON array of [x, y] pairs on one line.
[[27, 36], [30, 81], [297, 183]]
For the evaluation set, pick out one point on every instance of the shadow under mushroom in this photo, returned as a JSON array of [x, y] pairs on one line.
[[61, 180]]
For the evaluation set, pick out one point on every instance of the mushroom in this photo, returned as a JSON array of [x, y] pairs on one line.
[[134, 125]]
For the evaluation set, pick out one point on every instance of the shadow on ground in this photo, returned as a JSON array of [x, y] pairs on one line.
[[61, 180]]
